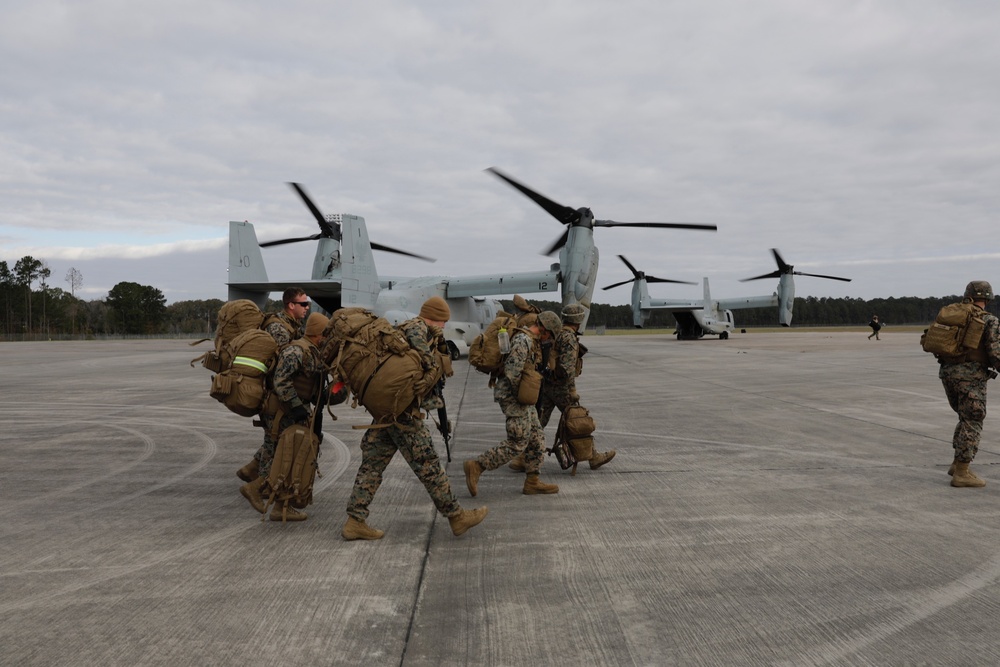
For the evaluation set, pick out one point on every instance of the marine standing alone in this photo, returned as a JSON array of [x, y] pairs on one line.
[[412, 440], [964, 383]]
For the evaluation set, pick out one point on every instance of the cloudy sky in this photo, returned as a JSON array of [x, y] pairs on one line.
[[861, 139]]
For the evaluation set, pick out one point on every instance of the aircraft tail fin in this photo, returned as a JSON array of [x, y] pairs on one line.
[[359, 279], [246, 264]]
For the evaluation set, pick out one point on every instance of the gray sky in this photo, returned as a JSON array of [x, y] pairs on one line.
[[861, 139]]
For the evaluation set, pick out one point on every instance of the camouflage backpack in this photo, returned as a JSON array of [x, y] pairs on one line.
[[956, 333], [375, 360]]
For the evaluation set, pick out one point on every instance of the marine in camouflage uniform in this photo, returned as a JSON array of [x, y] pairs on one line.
[[412, 439], [559, 378], [284, 327], [524, 432], [297, 381], [965, 385]]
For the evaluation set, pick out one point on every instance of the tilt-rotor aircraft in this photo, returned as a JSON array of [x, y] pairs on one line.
[[708, 316], [344, 274]]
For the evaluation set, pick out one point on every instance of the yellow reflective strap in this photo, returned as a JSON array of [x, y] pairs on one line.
[[252, 363]]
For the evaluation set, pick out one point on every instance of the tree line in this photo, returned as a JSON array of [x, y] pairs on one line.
[[30, 306]]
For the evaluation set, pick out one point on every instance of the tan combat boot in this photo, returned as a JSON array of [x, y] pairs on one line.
[[466, 519], [251, 491], [965, 477], [599, 459], [359, 530], [534, 486], [249, 472], [951, 469], [472, 472], [517, 463], [287, 513]]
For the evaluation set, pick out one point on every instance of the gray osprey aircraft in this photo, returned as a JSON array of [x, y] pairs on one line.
[[344, 274], [708, 316]]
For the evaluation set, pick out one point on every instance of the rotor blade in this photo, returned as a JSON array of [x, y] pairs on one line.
[[563, 214], [328, 230], [654, 279], [818, 275], [624, 282], [783, 266], [385, 248], [267, 244], [629, 265], [560, 242], [773, 274], [667, 225]]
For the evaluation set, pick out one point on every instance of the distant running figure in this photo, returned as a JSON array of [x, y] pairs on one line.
[[876, 326]]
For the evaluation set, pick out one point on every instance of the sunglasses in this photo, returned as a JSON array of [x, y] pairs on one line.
[[304, 304]]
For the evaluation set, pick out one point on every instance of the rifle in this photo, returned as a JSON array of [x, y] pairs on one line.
[[442, 423]]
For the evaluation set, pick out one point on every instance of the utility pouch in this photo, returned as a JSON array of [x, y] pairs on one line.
[[529, 387]]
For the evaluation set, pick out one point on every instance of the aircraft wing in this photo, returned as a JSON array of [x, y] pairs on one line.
[[675, 306], [508, 283]]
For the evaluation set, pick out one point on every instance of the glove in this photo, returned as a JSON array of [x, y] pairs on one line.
[[299, 414]]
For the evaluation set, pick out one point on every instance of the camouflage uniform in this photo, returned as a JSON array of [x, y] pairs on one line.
[[413, 441], [965, 385], [524, 432], [284, 328], [293, 361], [559, 384], [422, 337]]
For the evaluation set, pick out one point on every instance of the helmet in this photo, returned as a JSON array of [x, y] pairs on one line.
[[574, 313], [549, 320], [979, 290]]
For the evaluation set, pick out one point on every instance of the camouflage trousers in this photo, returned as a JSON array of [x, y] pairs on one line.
[[265, 455], [965, 386], [524, 435], [555, 396], [378, 446]]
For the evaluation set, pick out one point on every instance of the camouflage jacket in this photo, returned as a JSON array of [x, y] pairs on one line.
[[283, 328], [525, 352], [424, 338], [562, 360], [297, 373]]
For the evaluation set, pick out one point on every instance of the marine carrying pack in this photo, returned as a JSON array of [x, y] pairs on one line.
[[956, 334], [484, 353], [243, 357], [375, 360]]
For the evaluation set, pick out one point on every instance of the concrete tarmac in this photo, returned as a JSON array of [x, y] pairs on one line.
[[777, 499]]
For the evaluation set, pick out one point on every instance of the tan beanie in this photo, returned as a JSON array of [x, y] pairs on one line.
[[435, 309], [316, 323]]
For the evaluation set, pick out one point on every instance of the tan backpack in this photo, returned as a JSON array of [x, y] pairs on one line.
[[383, 372], [241, 385], [956, 333], [484, 353], [574, 437], [234, 318], [293, 470]]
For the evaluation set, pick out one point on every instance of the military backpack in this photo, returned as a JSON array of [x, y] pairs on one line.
[[956, 334], [485, 354], [293, 470], [243, 357], [374, 359]]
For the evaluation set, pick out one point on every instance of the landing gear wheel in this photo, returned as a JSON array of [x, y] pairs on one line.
[[453, 350], [724, 335]]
